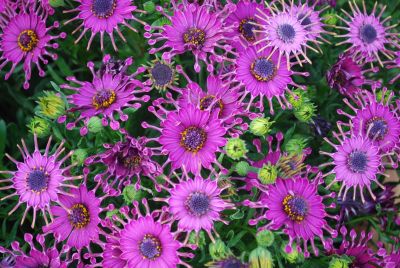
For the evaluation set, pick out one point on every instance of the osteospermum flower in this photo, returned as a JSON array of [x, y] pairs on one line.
[[190, 137], [348, 77], [26, 38], [377, 121], [263, 73], [104, 17], [106, 96], [77, 219], [193, 28], [125, 160], [37, 257], [245, 16], [196, 204], [39, 179], [367, 33], [141, 241], [356, 163], [390, 258], [295, 206]]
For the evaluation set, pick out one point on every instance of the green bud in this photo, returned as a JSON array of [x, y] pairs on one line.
[[305, 112], [297, 98], [260, 126], [40, 126], [149, 7], [294, 256], [268, 174], [95, 124], [218, 250], [57, 3], [330, 18], [296, 145], [235, 148], [242, 168], [129, 193], [51, 105], [340, 262], [260, 258], [265, 238], [79, 156], [198, 239]]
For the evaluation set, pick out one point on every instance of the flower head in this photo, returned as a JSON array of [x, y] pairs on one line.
[[51, 105], [106, 96], [39, 179], [104, 16], [26, 38]]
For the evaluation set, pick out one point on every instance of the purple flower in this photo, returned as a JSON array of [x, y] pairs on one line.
[[348, 77], [367, 35], [26, 38], [77, 219], [106, 96], [264, 73], [193, 28], [196, 204], [39, 179], [125, 160], [190, 137], [378, 122], [295, 205], [104, 16], [390, 256]]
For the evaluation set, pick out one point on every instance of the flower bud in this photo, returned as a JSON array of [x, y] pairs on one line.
[[330, 18], [149, 7], [242, 168], [268, 174], [130, 194], [260, 258], [297, 98], [41, 127], [95, 124], [79, 156], [51, 105], [296, 145], [342, 262], [260, 126], [218, 250], [197, 239], [294, 256], [305, 112], [265, 238], [235, 148]]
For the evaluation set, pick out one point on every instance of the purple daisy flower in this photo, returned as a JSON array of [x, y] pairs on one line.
[[367, 34], [246, 14], [190, 137], [263, 73], [193, 28], [283, 31], [76, 219], [106, 96], [196, 204], [39, 180], [348, 77], [104, 16], [363, 256], [377, 121], [296, 205], [357, 163], [44, 257], [26, 38], [390, 256], [125, 160]]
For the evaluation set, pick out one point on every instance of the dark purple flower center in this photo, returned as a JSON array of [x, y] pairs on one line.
[[27, 40], [263, 70], [162, 74], [194, 37], [340, 78], [357, 161], [246, 28], [377, 127], [368, 33], [150, 247], [103, 8], [286, 33], [37, 181], [193, 139], [103, 98], [132, 160], [305, 21], [206, 101], [79, 216], [198, 203], [295, 207]]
